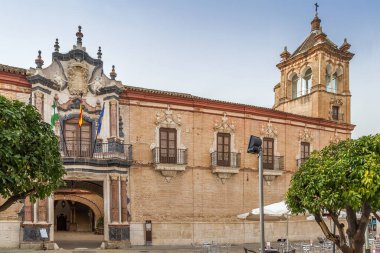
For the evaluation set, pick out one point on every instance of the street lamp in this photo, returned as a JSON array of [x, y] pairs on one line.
[[254, 147]]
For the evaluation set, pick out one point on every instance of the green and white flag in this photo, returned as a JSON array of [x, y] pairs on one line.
[[54, 115]]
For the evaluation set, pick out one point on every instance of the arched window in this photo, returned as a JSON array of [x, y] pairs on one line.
[[295, 81], [306, 82], [328, 82], [334, 83]]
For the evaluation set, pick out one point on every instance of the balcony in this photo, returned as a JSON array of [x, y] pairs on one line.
[[233, 160], [273, 168], [225, 164], [337, 116], [300, 161], [173, 156], [276, 164], [111, 153], [169, 161]]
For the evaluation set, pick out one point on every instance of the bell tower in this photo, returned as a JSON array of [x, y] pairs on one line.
[[315, 78]]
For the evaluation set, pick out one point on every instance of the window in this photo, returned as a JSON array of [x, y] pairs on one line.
[[306, 82], [328, 82], [268, 153], [295, 80], [168, 145], [305, 151], [332, 82], [335, 113], [77, 140], [223, 149]]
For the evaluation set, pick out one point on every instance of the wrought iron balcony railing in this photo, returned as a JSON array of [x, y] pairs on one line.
[[101, 150], [225, 159], [276, 164], [300, 161], [172, 156], [337, 116]]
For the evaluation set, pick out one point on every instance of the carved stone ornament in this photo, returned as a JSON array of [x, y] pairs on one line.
[[78, 77], [268, 130], [336, 101], [58, 79], [305, 135], [167, 119], [335, 138], [224, 126]]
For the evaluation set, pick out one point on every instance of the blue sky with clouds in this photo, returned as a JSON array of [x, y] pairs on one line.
[[220, 49]]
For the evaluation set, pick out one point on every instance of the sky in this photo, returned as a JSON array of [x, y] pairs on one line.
[[219, 49]]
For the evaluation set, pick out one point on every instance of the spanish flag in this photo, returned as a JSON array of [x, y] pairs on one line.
[[80, 121]]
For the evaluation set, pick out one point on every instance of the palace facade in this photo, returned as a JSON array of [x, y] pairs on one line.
[[172, 168]]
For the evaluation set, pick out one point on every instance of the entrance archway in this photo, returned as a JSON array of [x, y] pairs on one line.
[[77, 209]]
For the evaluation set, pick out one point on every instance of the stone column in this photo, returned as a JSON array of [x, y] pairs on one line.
[[39, 103], [124, 210], [114, 199], [113, 118], [28, 210], [42, 210]]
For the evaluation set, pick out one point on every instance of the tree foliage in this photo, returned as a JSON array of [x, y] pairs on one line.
[[30, 161], [341, 176]]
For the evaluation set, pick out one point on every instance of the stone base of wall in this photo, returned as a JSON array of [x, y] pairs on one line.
[[37, 245], [117, 244], [165, 233], [137, 233], [9, 234]]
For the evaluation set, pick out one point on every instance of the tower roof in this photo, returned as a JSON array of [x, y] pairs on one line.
[[312, 40]]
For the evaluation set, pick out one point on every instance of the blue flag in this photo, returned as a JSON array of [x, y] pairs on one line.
[[100, 119]]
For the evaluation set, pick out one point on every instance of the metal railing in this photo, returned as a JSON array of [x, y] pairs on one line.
[[339, 116], [276, 164], [102, 150], [172, 156], [300, 161], [225, 159]]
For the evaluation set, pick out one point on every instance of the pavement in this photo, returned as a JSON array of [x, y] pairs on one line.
[[82, 242], [134, 249]]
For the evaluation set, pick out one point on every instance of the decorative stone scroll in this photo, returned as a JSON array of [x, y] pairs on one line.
[[224, 126], [336, 101], [167, 119], [268, 130], [77, 78], [305, 135]]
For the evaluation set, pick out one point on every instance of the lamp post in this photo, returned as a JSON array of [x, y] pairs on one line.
[[254, 147]]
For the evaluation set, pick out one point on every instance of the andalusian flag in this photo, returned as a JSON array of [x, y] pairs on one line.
[[80, 121], [54, 115]]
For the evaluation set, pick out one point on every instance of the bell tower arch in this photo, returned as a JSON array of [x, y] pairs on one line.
[[315, 78]]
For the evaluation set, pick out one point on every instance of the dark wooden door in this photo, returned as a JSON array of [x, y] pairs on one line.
[[168, 145], [223, 149], [268, 153], [77, 140]]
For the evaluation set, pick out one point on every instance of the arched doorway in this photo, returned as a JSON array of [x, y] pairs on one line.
[[77, 208]]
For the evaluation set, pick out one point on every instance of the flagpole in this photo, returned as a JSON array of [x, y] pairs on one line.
[[97, 131], [80, 127]]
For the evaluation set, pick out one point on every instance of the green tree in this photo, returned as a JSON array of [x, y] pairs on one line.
[[30, 162], [341, 176]]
